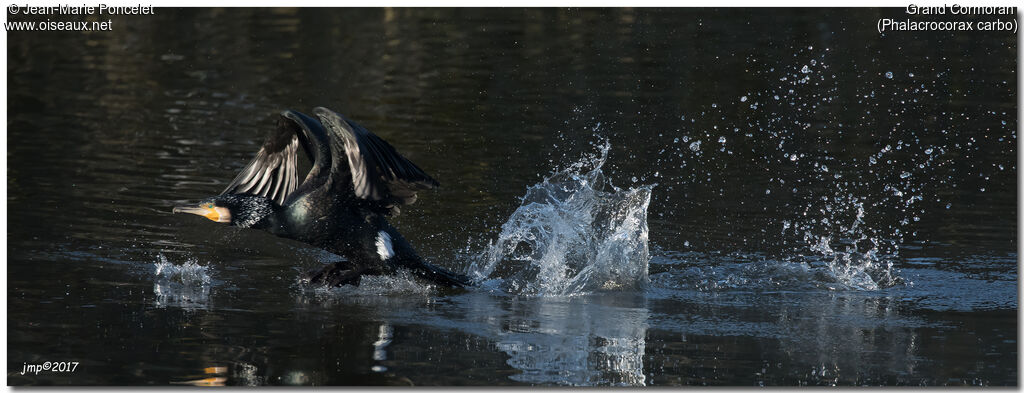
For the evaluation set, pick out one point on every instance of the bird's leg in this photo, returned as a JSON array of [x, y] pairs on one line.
[[336, 274], [317, 275], [345, 277]]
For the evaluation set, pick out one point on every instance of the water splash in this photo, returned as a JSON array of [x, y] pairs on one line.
[[401, 283], [186, 285], [573, 233], [841, 206], [384, 292], [715, 272], [855, 256]]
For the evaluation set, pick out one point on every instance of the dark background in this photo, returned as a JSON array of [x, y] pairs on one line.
[[108, 130]]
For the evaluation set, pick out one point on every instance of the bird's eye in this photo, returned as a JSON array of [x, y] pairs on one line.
[[209, 206]]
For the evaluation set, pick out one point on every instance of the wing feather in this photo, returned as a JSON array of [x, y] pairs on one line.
[[273, 173], [378, 171]]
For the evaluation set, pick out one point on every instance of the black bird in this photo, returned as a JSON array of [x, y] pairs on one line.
[[356, 181]]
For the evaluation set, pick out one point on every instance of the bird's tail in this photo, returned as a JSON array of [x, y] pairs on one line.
[[436, 274]]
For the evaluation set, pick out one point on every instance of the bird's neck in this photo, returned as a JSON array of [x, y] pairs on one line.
[[270, 221]]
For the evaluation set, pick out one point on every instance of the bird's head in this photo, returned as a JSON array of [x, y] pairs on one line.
[[236, 209]]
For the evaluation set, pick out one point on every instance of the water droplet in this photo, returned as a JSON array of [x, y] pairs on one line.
[[793, 158], [904, 175], [744, 99], [695, 146], [721, 139], [805, 69], [888, 75], [928, 151], [713, 105], [911, 74]]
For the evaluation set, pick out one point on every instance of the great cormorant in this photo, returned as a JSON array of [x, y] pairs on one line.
[[356, 181]]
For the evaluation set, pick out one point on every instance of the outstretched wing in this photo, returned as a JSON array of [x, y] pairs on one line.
[[273, 173], [378, 172]]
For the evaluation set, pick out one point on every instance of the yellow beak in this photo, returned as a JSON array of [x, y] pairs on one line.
[[216, 213]]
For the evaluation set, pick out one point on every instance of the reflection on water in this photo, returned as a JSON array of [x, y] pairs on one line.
[[247, 375], [564, 342], [380, 346], [842, 340], [832, 206], [595, 340]]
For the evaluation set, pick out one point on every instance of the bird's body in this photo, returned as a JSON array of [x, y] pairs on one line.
[[356, 181]]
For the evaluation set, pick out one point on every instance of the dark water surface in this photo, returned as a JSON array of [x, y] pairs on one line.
[[829, 205]]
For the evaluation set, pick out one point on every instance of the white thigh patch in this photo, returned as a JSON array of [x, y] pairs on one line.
[[384, 246]]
